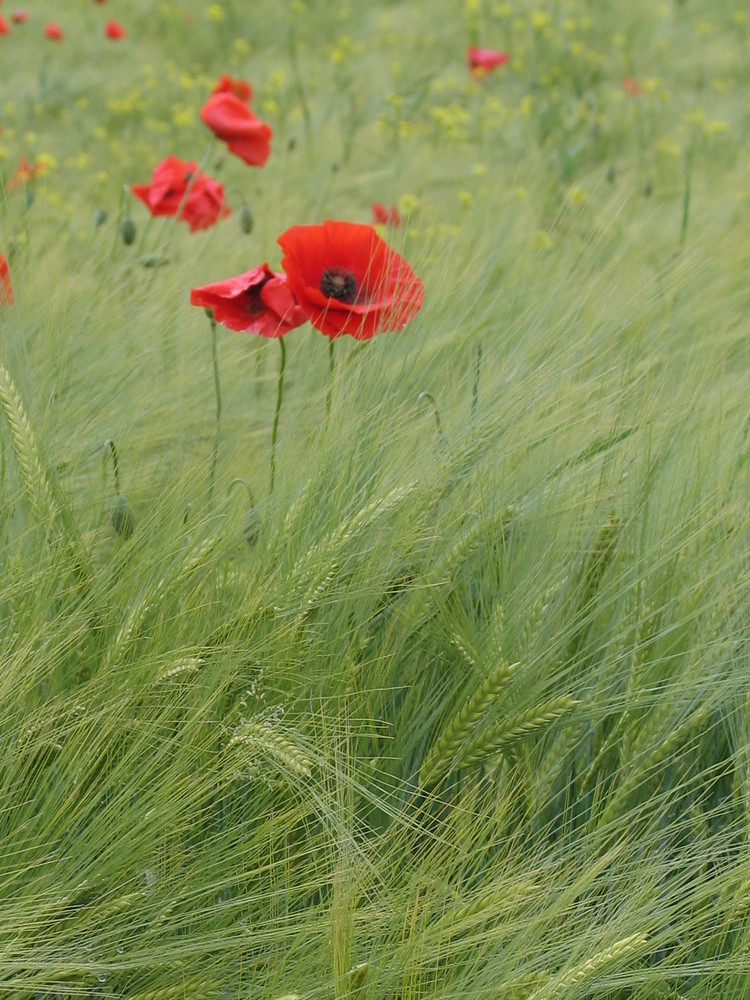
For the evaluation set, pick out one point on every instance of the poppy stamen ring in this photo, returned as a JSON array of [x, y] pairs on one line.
[[338, 283]]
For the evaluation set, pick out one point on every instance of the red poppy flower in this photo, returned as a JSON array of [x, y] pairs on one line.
[[227, 85], [23, 173], [258, 301], [481, 61], [231, 120], [382, 216], [631, 86], [175, 187], [114, 30], [4, 26], [6, 289], [53, 31], [19, 16], [348, 280]]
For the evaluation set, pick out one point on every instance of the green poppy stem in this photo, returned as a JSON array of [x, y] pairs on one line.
[[279, 398], [217, 390], [329, 389]]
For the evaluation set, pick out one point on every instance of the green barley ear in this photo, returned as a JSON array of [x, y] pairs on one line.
[[47, 506], [356, 981], [504, 737], [259, 738], [442, 757]]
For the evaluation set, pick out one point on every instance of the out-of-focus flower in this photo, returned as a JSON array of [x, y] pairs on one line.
[[258, 301], [382, 216], [177, 189], [53, 31], [4, 26], [228, 85], [482, 61], [347, 280], [112, 29], [232, 121], [23, 173], [631, 86], [6, 289], [19, 16]]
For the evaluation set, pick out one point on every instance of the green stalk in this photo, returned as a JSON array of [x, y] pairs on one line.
[[217, 390], [329, 390], [279, 398]]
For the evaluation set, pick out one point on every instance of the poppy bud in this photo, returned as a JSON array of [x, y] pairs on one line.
[[648, 189], [611, 173], [100, 217], [122, 518], [246, 219], [28, 197], [127, 231]]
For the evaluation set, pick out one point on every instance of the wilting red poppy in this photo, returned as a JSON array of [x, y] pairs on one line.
[[6, 289], [382, 216], [348, 280], [481, 61], [19, 16], [228, 85], [258, 301], [53, 31], [114, 30], [23, 173], [175, 188], [231, 120], [4, 26], [631, 86]]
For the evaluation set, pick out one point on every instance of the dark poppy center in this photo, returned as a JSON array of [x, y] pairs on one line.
[[338, 283], [254, 302]]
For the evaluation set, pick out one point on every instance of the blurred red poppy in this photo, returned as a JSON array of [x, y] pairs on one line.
[[348, 280], [228, 85], [4, 26], [114, 30], [631, 86], [481, 61], [6, 289], [258, 301], [177, 190], [231, 120], [53, 31], [19, 16], [382, 216], [23, 173]]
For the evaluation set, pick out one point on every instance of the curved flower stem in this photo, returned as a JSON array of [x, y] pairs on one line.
[[217, 389], [329, 390], [279, 398], [109, 446]]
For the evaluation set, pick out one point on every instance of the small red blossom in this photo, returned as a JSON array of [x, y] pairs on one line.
[[258, 301], [228, 85], [482, 61], [176, 188], [114, 30], [631, 86], [19, 16], [232, 121], [6, 289], [382, 216], [347, 280], [53, 31], [4, 26], [23, 173]]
